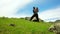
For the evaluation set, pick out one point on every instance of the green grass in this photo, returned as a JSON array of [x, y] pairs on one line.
[[23, 26]]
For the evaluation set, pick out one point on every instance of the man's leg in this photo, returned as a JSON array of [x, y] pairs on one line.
[[37, 17], [32, 17]]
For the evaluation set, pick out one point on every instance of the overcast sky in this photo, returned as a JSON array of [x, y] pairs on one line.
[[49, 10]]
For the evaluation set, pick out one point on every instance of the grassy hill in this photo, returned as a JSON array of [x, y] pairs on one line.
[[22, 26]]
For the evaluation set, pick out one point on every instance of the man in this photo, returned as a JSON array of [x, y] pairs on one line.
[[35, 11]]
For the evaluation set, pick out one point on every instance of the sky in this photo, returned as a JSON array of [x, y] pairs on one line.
[[49, 10]]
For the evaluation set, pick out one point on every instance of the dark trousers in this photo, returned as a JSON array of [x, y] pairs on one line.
[[35, 15]]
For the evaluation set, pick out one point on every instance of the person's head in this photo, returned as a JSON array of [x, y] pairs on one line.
[[33, 7], [36, 7]]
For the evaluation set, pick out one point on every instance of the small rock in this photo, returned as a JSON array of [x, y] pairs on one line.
[[12, 24]]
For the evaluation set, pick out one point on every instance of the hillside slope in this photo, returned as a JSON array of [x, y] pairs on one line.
[[22, 26]]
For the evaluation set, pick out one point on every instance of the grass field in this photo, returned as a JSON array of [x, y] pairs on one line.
[[22, 26]]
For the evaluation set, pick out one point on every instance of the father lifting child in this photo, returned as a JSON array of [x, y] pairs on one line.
[[35, 11]]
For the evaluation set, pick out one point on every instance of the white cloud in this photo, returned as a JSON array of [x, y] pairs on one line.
[[41, 2], [49, 15], [9, 7]]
